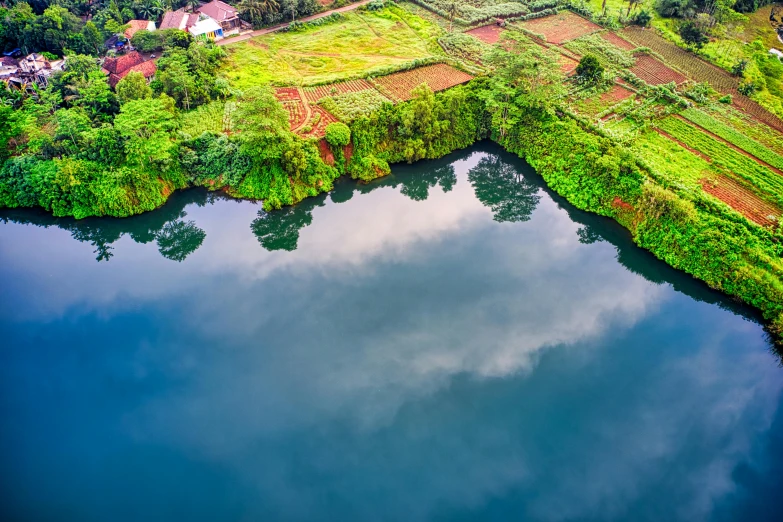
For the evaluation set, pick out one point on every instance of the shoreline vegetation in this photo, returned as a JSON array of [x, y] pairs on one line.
[[612, 127]]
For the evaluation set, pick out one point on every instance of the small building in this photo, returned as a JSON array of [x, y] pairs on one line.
[[119, 67], [222, 13], [37, 69], [207, 28], [138, 25], [178, 19]]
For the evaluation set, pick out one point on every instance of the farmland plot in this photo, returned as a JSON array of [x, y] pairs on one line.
[[655, 72], [702, 71], [560, 28], [615, 40], [292, 102], [742, 200], [399, 86], [489, 34], [313, 94]]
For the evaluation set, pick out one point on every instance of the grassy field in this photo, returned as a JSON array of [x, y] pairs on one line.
[[360, 43]]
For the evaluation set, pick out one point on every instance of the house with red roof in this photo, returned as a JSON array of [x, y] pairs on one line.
[[179, 19], [138, 25], [119, 67], [225, 15]]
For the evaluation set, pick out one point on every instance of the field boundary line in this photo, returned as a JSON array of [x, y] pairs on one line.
[[731, 145]]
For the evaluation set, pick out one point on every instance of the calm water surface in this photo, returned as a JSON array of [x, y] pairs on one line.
[[453, 342]]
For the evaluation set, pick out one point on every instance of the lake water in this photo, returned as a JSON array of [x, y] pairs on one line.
[[452, 342]]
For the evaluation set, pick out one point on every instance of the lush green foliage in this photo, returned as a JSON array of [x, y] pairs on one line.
[[338, 134], [351, 105]]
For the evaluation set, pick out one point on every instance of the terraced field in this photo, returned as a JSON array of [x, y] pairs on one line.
[[701, 71], [655, 72], [399, 86], [313, 94], [560, 28], [742, 200]]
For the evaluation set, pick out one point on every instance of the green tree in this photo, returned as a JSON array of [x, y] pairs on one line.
[[589, 69], [91, 38], [133, 87], [71, 125], [693, 35], [257, 10], [147, 124]]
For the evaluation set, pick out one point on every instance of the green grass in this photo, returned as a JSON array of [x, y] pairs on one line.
[[671, 161], [349, 106], [737, 138], [356, 45]]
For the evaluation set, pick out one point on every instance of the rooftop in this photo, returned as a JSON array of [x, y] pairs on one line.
[[219, 11]]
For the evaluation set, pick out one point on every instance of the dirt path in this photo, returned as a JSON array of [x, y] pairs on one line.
[[731, 145], [275, 28], [308, 110]]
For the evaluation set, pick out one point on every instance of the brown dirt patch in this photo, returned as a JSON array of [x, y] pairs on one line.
[[742, 200], [655, 72], [615, 95], [318, 121], [615, 40], [292, 102], [326, 152], [560, 28], [488, 34]]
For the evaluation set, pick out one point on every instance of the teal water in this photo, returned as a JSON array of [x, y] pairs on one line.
[[453, 342]]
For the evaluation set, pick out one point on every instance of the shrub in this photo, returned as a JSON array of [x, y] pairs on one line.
[[589, 69], [725, 99], [642, 18], [338, 134], [691, 34], [738, 69]]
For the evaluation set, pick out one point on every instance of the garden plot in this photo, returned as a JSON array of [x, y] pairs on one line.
[[489, 34], [655, 72], [702, 71], [595, 105], [742, 200], [297, 108], [399, 86], [615, 40], [560, 28], [313, 94]]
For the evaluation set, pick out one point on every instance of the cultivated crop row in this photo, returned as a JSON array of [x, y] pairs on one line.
[[742, 200], [750, 127], [560, 28], [723, 156], [736, 138], [292, 102], [399, 86], [615, 40], [655, 72], [313, 94], [702, 71]]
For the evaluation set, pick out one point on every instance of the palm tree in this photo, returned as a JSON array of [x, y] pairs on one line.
[[158, 7], [632, 4], [256, 9], [452, 11], [192, 4]]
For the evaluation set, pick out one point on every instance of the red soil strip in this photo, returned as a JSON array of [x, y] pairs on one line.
[[326, 152], [567, 65], [609, 116], [292, 102], [615, 95], [619, 203], [319, 129], [489, 34], [614, 39], [742, 200], [655, 72], [561, 28], [684, 146], [313, 94], [439, 77], [731, 145]]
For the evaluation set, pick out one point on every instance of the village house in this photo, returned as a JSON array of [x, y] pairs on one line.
[[138, 25], [178, 19], [213, 21], [119, 67], [37, 69], [222, 13]]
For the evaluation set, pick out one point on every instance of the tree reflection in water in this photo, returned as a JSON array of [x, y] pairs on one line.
[[175, 237], [503, 187]]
